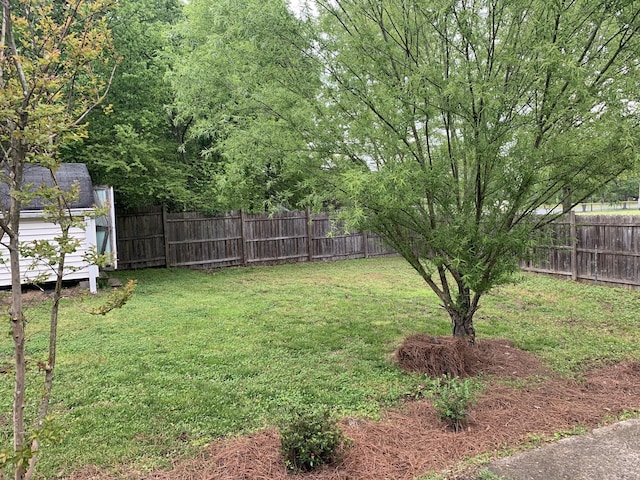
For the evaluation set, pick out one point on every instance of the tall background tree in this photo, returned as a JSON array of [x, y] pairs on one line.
[[51, 56], [132, 143], [441, 126], [241, 77]]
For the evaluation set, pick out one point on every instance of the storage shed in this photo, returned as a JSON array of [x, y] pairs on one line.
[[33, 226]]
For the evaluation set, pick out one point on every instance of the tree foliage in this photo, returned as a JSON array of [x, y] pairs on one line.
[[239, 77], [445, 124], [625, 187], [131, 142], [442, 126], [52, 55]]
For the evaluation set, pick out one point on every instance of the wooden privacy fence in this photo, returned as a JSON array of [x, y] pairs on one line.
[[152, 237], [601, 249]]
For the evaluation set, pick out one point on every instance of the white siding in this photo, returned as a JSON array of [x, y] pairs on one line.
[[36, 229]]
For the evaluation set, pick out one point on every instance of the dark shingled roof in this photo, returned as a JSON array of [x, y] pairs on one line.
[[66, 175]]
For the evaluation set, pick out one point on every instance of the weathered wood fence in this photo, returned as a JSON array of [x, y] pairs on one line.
[[153, 237], [600, 249], [603, 249]]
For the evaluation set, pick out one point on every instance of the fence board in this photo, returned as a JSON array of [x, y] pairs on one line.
[[281, 237], [587, 248], [201, 241], [153, 237], [602, 248], [140, 238]]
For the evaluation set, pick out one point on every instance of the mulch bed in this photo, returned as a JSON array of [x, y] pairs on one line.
[[410, 441]]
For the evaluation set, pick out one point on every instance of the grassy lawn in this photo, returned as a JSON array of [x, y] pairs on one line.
[[618, 211], [196, 355]]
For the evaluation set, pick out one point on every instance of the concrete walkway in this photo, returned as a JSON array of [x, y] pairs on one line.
[[607, 453]]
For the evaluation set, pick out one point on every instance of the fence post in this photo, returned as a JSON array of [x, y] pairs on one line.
[[365, 239], [574, 245], [309, 234], [243, 240], [165, 237]]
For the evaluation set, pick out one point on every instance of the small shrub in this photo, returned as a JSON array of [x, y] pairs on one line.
[[310, 438], [452, 398]]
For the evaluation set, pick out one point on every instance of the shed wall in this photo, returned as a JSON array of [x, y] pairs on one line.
[[36, 229]]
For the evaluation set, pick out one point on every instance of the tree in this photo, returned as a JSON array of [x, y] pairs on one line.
[[622, 189], [131, 142], [443, 125], [238, 78], [50, 52]]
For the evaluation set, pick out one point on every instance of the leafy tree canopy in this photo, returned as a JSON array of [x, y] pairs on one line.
[[239, 77], [446, 124], [442, 126], [625, 187], [132, 143]]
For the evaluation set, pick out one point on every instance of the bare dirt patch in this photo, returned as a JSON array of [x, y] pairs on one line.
[[523, 402], [32, 295]]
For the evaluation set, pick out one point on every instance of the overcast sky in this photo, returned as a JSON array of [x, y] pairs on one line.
[[297, 5]]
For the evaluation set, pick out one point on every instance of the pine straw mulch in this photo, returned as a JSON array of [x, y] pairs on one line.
[[522, 401]]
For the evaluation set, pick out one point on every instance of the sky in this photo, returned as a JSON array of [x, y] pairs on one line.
[[297, 6]]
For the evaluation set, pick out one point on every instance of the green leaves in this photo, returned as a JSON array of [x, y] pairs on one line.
[[243, 82], [51, 54], [132, 143], [456, 121], [452, 397], [310, 438], [117, 299]]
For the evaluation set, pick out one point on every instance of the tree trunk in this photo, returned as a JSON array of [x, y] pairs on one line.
[[12, 229], [461, 313], [463, 326], [18, 334], [566, 200], [51, 363]]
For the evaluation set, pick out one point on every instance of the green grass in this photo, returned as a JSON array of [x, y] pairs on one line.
[[618, 211], [196, 356], [572, 326]]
